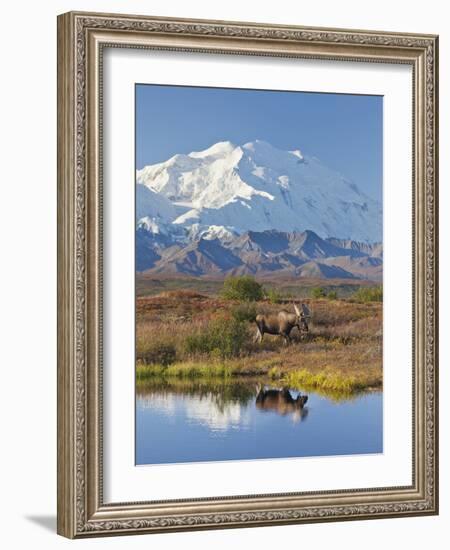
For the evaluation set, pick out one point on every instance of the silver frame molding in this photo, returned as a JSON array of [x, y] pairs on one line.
[[81, 39]]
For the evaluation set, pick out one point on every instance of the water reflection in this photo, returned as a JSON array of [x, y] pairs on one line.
[[282, 402], [219, 404], [179, 420]]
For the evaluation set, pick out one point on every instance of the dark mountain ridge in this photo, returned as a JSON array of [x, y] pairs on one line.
[[299, 254]]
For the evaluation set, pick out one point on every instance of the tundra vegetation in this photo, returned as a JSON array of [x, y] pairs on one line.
[[183, 334]]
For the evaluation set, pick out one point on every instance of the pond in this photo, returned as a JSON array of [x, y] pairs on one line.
[[196, 421]]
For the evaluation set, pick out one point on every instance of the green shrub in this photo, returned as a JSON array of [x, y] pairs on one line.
[[332, 295], [244, 289], [244, 312], [158, 353], [318, 292], [223, 337], [368, 294], [274, 296]]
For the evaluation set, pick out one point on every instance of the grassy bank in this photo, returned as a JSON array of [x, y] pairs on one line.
[[331, 380], [314, 365]]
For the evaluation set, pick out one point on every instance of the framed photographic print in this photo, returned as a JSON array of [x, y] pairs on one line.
[[247, 282]]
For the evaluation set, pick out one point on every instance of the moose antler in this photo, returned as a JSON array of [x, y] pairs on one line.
[[306, 311]]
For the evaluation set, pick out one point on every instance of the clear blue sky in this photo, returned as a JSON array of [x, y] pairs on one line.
[[344, 131]]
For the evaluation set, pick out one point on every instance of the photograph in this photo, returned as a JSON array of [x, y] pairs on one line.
[[258, 274]]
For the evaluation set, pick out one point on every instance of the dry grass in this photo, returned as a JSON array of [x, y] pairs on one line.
[[342, 352]]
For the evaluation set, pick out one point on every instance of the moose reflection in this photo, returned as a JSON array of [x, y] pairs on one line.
[[281, 402]]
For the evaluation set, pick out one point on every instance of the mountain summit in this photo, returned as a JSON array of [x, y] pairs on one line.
[[253, 187]]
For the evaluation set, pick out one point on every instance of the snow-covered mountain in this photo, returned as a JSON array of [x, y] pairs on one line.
[[227, 190]]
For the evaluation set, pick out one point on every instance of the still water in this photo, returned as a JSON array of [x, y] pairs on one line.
[[183, 421]]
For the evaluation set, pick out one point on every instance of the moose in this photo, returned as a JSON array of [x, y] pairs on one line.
[[281, 401], [282, 323]]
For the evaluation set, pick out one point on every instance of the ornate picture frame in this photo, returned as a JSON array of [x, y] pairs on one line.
[[82, 38]]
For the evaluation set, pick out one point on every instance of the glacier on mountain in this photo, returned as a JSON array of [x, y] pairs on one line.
[[231, 189]]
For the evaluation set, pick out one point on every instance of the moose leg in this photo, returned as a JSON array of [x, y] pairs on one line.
[[258, 336]]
